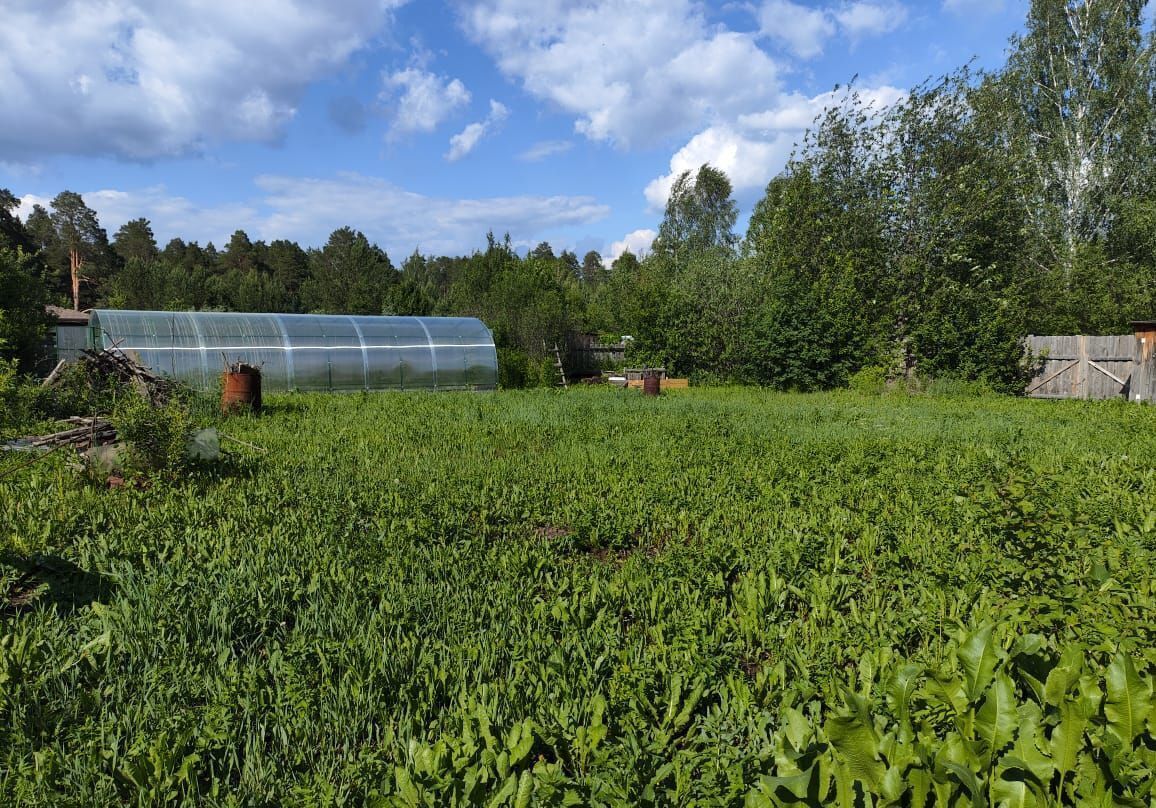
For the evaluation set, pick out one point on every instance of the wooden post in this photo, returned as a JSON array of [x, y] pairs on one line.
[[1140, 372], [1144, 376], [1083, 383]]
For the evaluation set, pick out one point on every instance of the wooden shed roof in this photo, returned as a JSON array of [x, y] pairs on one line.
[[68, 316]]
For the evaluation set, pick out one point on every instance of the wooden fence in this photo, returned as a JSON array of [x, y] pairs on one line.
[[587, 356], [1080, 366]]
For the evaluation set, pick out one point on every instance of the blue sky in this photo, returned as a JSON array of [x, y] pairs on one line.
[[426, 123]]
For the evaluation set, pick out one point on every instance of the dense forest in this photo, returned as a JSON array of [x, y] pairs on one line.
[[923, 239]]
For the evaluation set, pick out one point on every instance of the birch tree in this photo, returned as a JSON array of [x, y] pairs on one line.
[[700, 215], [1079, 85]]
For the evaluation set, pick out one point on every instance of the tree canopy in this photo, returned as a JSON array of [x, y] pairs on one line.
[[700, 215], [924, 239]]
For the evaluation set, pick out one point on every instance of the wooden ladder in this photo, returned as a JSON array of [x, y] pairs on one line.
[[558, 366]]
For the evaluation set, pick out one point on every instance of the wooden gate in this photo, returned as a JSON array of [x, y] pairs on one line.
[[1084, 367]]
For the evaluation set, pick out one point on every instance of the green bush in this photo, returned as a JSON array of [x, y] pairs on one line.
[[20, 397], [512, 368], [8, 393], [156, 437], [76, 391], [7, 378], [517, 369], [870, 381], [545, 374]]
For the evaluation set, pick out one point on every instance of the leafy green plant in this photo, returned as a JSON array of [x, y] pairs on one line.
[[729, 597], [8, 393], [985, 729], [156, 436], [870, 381]]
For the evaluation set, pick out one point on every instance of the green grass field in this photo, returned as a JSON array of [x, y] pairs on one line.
[[720, 597]]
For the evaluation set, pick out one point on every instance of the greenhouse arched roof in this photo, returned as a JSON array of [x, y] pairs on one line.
[[307, 351]]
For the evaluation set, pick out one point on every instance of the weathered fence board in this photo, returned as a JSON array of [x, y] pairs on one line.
[[1079, 366], [586, 355]]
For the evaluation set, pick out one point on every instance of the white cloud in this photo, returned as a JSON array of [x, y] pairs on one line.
[[426, 99], [756, 147], [802, 29], [638, 73], [797, 112], [171, 216], [401, 220], [637, 242], [175, 215], [307, 210], [749, 162], [871, 17], [629, 72], [545, 148], [141, 79], [28, 202], [498, 111], [463, 143]]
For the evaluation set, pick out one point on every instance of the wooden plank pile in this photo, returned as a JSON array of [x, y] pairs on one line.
[[84, 434], [114, 363]]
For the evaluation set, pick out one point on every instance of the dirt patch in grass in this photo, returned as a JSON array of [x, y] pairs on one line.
[[20, 594]]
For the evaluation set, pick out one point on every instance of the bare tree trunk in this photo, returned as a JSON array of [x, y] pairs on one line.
[[74, 264]]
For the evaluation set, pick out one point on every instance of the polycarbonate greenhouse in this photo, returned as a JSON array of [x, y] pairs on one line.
[[307, 351]]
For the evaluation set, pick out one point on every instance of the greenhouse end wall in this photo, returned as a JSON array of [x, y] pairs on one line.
[[307, 351]]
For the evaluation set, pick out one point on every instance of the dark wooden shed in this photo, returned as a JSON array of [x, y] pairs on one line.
[[70, 334]]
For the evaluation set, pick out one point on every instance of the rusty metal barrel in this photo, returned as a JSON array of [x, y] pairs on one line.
[[651, 383], [241, 389]]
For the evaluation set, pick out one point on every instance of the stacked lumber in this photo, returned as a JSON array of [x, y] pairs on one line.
[[114, 363], [84, 433]]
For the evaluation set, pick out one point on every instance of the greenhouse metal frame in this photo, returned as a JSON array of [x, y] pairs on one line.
[[331, 352]]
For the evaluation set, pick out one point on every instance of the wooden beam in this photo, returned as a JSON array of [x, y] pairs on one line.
[[1059, 372], [1093, 358], [1108, 373], [1083, 386]]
